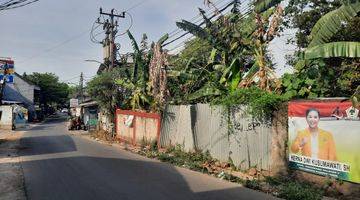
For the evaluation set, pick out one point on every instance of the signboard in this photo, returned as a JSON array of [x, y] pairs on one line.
[[74, 103], [9, 64], [8, 79], [324, 139]]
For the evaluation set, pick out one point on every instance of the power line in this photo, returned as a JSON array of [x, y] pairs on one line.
[[69, 79], [55, 46], [136, 5], [183, 43], [214, 15], [178, 30], [12, 4]]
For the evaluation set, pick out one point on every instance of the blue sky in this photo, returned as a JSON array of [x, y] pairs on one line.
[[53, 36]]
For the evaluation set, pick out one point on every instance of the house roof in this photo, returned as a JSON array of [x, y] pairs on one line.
[[11, 102], [87, 104], [28, 82]]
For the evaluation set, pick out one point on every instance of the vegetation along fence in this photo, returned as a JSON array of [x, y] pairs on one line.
[[228, 134]]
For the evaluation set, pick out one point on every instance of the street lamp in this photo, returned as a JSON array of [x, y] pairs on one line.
[[88, 60], [101, 64]]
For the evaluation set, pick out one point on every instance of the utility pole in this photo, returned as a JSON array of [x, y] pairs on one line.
[[110, 28], [81, 87]]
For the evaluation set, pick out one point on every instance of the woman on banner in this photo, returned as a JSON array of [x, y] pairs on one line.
[[314, 142]]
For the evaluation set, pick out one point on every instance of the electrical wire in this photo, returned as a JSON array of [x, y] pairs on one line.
[[15, 4], [92, 35], [216, 12], [55, 46], [130, 26], [184, 42], [177, 38], [136, 5], [178, 30], [66, 80]]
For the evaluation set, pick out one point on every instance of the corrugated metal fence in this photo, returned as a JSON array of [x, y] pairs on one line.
[[225, 133]]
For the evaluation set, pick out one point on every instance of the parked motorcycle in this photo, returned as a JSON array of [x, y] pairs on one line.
[[76, 124]]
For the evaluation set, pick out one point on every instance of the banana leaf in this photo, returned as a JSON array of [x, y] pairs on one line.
[[334, 49], [207, 90], [262, 5], [208, 23], [193, 29], [225, 74], [235, 81], [328, 25], [182, 74], [251, 71], [212, 56], [133, 42], [163, 39]]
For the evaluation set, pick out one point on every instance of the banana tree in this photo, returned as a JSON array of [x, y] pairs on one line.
[[325, 28], [260, 31], [226, 63], [134, 87], [240, 43]]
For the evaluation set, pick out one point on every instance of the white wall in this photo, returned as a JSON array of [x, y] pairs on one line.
[[24, 88], [6, 117]]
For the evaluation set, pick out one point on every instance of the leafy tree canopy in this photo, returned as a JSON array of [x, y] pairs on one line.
[[52, 91], [329, 30]]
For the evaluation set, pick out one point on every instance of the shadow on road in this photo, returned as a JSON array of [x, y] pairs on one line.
[[107, 173], [112, 178], [38, 145]]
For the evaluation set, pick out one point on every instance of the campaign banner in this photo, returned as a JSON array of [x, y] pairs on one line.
[[324, 138], [9, 64]]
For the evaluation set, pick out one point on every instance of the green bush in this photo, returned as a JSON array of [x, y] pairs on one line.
[[299, 191], [260, 103], [273, 181], [154, 145], [253, 184]]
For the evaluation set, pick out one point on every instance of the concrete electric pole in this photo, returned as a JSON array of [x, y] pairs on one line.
[[110, 28], [81, 88]]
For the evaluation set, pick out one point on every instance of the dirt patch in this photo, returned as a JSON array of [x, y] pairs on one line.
[[11, 175], [103, 135]]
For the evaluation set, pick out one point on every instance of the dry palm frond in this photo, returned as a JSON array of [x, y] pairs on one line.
[[275, 23], [158, 78], [209, 3]]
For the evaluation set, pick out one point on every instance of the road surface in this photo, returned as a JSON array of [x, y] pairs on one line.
[[58, 165]]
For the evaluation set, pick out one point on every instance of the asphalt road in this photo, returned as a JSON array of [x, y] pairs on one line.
[[57, 165]]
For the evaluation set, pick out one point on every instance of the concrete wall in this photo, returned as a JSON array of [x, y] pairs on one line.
[[137, 127], [6, 117], [105, 122], [24, 88], [123, 131], [21, 91]]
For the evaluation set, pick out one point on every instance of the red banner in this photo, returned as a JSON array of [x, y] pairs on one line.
[[326, 109]]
